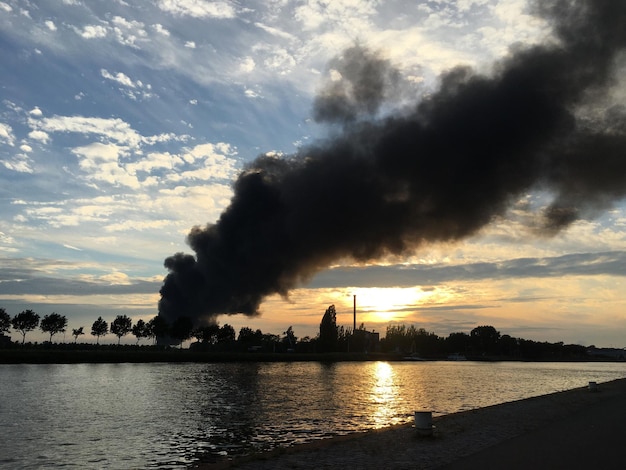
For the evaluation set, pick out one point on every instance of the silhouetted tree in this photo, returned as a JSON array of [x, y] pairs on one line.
[[457, 343], [121, 326], [246, 335], [508, 346], [207, 334], [226, 334], [181, 329], [99, 328], [328, 331], [140, 330], [395, 339], [249, 338], [158, 327], [270, 341], [53, 324], [485, 339], [5, 321], [76, 332], [24, 322], [426, 343]]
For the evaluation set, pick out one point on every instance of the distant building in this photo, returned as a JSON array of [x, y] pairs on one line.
[[368, 341]]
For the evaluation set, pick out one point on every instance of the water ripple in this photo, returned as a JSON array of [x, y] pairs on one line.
[[175, 415]]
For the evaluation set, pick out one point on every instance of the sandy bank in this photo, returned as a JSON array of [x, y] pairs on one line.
[[582, 421]]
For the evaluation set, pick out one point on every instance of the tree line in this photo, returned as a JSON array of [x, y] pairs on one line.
[[180, 330], [54, 323], [482, 341]]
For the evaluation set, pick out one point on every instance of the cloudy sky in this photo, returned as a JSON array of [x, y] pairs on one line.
[[124, 124]]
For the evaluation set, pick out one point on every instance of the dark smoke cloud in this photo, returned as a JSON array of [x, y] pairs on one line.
[[367, 83], [441, 172]]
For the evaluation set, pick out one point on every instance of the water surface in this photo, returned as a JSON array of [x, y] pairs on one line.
[[174, 415]]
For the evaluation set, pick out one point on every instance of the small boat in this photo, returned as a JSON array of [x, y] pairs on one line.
[[413, 357]]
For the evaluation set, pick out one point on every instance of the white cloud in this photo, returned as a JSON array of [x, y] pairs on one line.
[[190, 44], [6, 134], [35, 111], [26, 148], [128, 32], [133, 89], [19, 163], [116, 278], [119, 77], [137, 225], [70, 247], [197, 8], [276, 58], [100, 163], [6, 7], [113, 129], [41, 136], [349, 15], [165, 137], [50, 25], [275, 31], [161, 30], [110, 163], [247, 64], [97, 154], [157, 160], [93, 32], [214, 160]]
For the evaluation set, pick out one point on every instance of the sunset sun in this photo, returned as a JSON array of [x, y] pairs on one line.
[[388, 303]]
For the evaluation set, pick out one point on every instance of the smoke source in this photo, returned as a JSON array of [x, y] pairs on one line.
[[437, 172]]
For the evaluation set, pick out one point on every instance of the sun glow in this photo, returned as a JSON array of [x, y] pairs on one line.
[[388, 303], [384, 395]]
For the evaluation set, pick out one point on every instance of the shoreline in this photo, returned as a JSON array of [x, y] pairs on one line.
[[149, 354], [462, 438]]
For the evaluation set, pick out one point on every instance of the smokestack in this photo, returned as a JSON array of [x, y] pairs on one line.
[[438, 171]]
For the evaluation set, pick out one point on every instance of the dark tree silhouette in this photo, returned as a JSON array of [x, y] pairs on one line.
[[53, 324], [484, 339], [458, 342], [24, 322], [246, 335], [76, 332], [5, 321], [207, 334], [158, 327], [140, 330], [181, 329], [226, 334], [328, 331], [121, 326], [99, 328]]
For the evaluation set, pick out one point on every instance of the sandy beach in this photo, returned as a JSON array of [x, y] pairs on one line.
[[577, 428]]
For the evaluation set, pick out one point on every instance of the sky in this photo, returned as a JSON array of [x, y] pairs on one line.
[[125, 124]]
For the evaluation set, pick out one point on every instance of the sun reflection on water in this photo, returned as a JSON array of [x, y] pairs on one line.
[[384, 395]]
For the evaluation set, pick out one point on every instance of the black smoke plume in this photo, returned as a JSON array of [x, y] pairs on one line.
[[439, 171]]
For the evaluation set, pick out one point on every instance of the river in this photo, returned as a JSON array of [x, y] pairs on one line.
[[174, 415]]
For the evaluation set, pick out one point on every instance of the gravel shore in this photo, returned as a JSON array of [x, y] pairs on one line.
[[459, 438]]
